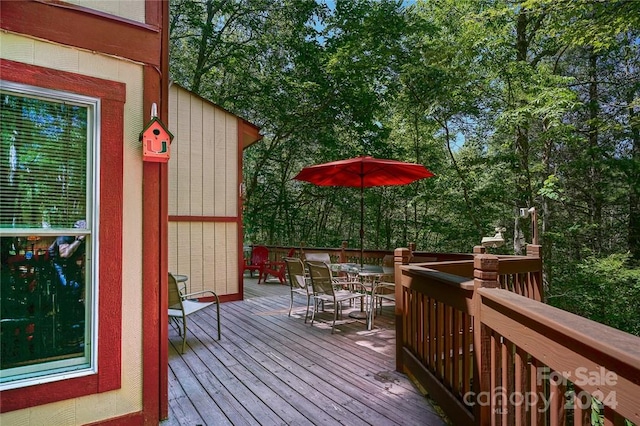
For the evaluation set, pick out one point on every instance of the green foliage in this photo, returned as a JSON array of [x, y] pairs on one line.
[[605, 289], [550, 188], [597, 414]]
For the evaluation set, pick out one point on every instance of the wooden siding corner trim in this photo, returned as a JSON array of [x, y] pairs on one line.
[[240, 197]]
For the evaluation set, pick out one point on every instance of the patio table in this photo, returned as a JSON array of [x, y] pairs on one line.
[[368, 275], [370, 280]]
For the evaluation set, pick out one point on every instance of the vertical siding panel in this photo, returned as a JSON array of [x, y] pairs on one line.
[[18, 48], [231, 159], [208, 264], [220, 171], [208, 156], [220, 258], [183, 249], [231, 263], [60, 59], [195, 175], [173, 242], [196, 256], [232, 172], [182, 153], [105, 67], [173, 161]]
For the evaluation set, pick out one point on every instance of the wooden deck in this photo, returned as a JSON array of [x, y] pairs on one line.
[[272, 369]]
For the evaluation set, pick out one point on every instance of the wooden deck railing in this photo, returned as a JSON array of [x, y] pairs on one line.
[[345, 254], [489, 352]]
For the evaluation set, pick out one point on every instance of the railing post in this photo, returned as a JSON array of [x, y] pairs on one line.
[[343, 252], [534, 250], [536, 278], [479, 250], [485, 275], [401, 257]]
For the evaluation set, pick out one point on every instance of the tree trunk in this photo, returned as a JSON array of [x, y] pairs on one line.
[[634, 187], [523, 178], [203, 49], [596, 198]]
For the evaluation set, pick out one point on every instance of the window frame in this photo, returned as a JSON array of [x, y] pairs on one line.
[[86, 364], [108, 205]]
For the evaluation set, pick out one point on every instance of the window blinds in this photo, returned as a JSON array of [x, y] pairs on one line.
[[43, 162]]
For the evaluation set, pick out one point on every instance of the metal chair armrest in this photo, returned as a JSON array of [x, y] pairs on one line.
[[197, 293]]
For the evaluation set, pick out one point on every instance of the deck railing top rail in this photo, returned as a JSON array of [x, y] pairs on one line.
[[423, 270], [344, 254], [588, 338]]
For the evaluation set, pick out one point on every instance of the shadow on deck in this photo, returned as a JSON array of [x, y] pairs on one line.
[[272, 369]]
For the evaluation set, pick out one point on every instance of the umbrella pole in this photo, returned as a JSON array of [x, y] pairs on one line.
[[361, 224]]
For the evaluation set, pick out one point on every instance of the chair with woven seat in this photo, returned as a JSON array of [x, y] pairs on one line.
[[325, 258], [385, 287], [298, 282], [317, 257], [324, 290], [183, 305]]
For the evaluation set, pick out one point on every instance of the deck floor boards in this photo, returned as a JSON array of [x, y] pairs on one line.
[[272, 369]]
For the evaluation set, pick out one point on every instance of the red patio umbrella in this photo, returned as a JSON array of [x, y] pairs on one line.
[[363, 172]]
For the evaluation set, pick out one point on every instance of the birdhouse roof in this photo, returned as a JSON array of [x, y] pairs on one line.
[[155, 121]]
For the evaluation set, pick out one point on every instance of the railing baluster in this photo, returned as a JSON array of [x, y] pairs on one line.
[[538, 386], [518, 385], [493, 371], [440, 340], [504, 381], [612, 418], [556, 401], [448, 343], [581, 407], [432, 334], [456, 347], [532, 406], [510, 373], [424, 327], [467, 353], [415, 298]]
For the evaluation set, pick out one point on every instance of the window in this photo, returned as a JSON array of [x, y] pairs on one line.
[[104, 197], [49, 148]]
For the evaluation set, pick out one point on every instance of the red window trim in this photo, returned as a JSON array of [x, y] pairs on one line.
[[112, 95]]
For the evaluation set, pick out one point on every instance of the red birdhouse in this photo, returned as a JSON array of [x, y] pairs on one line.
[[156, 142]]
